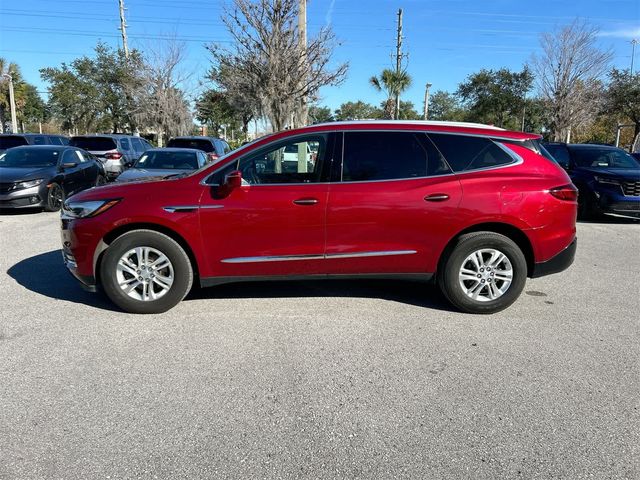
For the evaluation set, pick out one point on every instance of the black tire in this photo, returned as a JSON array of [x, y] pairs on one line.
[[448, 274], [55, 198], [182, 271], [100, 180], [586, 206]]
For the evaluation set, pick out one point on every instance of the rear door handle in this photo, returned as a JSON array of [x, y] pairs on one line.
[[306, 201], [436, 197]]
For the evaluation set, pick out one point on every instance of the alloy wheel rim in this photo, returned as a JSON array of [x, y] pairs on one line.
[[485, 275], [145, 274], [55, 197]]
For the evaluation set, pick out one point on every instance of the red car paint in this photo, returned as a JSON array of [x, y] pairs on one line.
[[339, 218]]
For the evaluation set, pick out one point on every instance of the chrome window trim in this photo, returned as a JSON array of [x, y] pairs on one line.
[[287, 258], [518, 160]]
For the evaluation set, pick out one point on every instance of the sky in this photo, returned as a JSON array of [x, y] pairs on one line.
[[445, 40]]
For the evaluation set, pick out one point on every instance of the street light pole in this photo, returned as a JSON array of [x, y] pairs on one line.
[[634, 42], [12, 100], [426, 101]]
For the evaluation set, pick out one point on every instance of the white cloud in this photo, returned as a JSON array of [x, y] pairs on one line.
[[629, 33], [329, 14]]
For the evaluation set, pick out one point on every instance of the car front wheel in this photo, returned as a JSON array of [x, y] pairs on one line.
[[144, 271], [485, 273]]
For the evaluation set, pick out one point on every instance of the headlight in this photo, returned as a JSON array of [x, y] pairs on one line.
[[27, 184], [91, 208], [608, 181]]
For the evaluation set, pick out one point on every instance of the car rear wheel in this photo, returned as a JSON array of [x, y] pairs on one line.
[[144, 271], [55, 198], [485, 273]]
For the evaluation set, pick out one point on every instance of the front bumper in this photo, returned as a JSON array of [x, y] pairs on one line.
[[611, 203], [87, 282], [24, 198], [560, 262], [77, 255]]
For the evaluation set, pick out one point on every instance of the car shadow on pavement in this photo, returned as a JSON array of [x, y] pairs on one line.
[[20, 211], [46, 275], [421, 294]]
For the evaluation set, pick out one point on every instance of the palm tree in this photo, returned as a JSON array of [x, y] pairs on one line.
[[393, 83]]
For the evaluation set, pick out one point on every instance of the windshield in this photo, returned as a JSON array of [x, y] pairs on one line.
[[30, 158], [595, 157], [10, 142], [164, 160], [95, 144], [198, 144]]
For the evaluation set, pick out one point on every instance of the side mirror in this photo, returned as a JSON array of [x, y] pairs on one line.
[[68, 165], [232, 180]]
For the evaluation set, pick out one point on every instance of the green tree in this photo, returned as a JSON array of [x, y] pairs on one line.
[[214, 110], [446, 106], [30, 108], [105, 88], [496, 97], [358, 110], [623, 96], [393, 83], [318, 114]]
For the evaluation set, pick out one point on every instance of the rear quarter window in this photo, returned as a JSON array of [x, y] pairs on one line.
[[465, 153], [124, 143], [95, 144], [12, 141]]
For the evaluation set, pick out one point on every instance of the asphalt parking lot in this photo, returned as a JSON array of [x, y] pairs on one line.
[[320, 379]]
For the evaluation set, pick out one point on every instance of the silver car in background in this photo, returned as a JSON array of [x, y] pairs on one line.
[[116, 152]]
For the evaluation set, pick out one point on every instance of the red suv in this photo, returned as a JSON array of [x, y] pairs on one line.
[[478, 208]]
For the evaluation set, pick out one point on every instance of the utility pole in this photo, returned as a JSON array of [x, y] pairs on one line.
[[398, 62], [303, 110], [426, 101], [12, 101], [123, 29], [634, 42]]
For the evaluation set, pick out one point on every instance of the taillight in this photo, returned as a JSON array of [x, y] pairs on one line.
[[212, 156], [115, 155], [565, 192]]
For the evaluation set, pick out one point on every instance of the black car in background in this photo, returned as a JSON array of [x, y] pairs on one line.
[[44, 175], [19, 139], [608, 178], [213, 147]]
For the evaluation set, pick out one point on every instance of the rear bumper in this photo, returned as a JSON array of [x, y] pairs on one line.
[[558, 263]]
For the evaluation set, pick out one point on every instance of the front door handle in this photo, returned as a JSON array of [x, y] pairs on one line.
[[306, 201], [436, 197]]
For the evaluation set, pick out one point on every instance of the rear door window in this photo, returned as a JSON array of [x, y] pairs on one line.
[[464, 153], [53, 140], [93, 144], [197, 143], [370, 156], [40, 140], [124, 144]]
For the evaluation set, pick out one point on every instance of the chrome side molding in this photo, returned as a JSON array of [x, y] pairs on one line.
[[287, 258], [188, 208]]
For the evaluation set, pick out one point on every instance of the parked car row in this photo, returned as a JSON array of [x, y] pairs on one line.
[[36, 171]]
